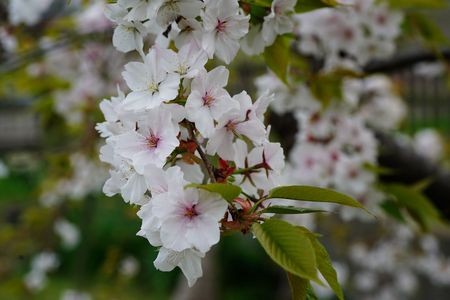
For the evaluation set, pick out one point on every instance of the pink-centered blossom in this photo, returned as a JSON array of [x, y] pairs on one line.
[[224, 26], [151, 143], [190, 219], [238, 122], [208, 100]]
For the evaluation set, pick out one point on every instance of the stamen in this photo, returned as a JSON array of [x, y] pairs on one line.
[[207, 99], [152, 141], [221, 26], [190, 212], [153, 87]]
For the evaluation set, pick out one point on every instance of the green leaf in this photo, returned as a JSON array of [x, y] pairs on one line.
[[422, 185], [310, 295], [324, 263], [378, 169], [227, 191], [287, 247], [280, 209], [313, 194], [392, 209], [308, 5], [298, 285], [418, 206], [277, 57], [327, 87], [301, 289], [257, 14], [417, 24]]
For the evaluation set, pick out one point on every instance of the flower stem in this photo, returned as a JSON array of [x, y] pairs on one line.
[[206, 163]]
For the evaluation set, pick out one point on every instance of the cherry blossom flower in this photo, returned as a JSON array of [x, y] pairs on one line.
[[140, 10], [150, 82], [152, 142], [123, 179], [170, 10], [127, 35], [188, 260], [264, 163], [189, 219], [278, 21], [189, 60], [224, 26], [236, 122], [208, 99], [161, 181]]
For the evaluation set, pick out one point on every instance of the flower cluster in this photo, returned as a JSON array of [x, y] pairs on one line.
[[351, 36], [222, 24], [86, 176], [178, 126], [278, 21], [392, 266], [335, 145], [91, 72]]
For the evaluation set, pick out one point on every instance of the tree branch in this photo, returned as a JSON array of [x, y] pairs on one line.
[[206, 163]]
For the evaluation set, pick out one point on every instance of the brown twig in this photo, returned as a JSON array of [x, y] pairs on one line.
[[206, 163]]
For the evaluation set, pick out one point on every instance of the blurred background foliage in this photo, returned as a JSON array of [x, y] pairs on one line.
[[109, 261]]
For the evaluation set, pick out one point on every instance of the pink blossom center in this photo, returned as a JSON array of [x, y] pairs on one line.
[[334, 156], [353, 173], [348, 34], [152, 141], [231, 126], [381, 19], [207, 99], [190, 212], [221, 25], [309, 163]]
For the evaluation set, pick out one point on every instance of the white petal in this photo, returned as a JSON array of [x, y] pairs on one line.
[[124, 39]]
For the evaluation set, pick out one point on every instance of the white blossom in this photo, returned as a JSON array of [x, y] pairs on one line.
[[278, 21], [151, 82], [151, 143], [208, 99], [224, 26], [189, 219], [188, 260]]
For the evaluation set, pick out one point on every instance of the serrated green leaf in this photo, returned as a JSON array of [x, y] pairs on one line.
[[277, 57], [324, 263], [280, 209], [313, 194], [227, 191], [418, 206], [308, 5], [288, 248]]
